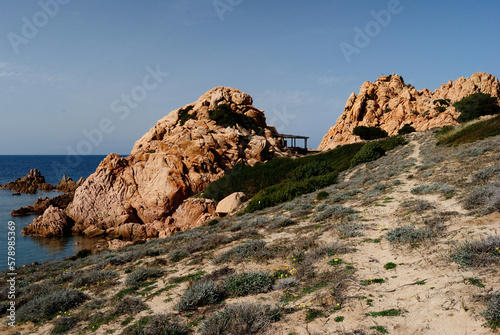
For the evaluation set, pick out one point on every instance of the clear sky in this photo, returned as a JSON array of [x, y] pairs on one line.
[[66, 65]]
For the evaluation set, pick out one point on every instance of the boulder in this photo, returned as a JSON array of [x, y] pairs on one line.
[[230, 203], [53, 222], [390, 103], [193, 212]]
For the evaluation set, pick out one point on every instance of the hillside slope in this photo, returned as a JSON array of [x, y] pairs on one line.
[[406, 244]]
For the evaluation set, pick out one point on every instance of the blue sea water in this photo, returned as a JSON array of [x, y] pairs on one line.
[[31, 249]]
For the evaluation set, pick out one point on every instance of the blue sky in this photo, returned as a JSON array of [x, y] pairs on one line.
[[59, 80]]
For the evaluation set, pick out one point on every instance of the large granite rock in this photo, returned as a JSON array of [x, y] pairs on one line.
[[176, 159], [389, 103], [230, 203], [53, 222]]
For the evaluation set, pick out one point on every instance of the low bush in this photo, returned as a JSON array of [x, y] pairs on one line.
[[335, 211], [476, 105], [178, 255], [442, 188], [370, 152], [369, 133], [485, 198], [408, 234], [286, 283], [184, 115], [492, 312], [225, 117], [347, 230], [200, 293], [47, 306], [478, 253], [247, 283], [485, 174], [280, 222], [159, 324], [141, 275], [244, 318], [129, 305], [94, 277], [407, 129], [322, 195], [254, 249], [64, 324]]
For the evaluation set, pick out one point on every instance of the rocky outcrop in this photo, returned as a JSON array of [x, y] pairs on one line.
[[390, 103], [69, 185], [230, 203], [184, 152], [193, 212], [61, 201], [30, 183], [54, 222]]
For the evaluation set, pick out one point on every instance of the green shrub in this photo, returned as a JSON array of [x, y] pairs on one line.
[[225, 117], [492, 312], [407, 129], [184, 115], [313, 313], [408, 234], [476, 105], [472, 132], [322, 195], [47, 306], [247, 283], [64, 324], [200, 293], [369, 133], [83, 253], [370, 152], [141, 275], [387, 312], [244, 318], [390, 265], [178, 255]]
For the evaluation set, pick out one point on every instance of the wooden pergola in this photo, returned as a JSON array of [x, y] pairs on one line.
[[293, 140]]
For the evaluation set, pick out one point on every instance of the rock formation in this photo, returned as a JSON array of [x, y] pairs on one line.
[[30, 183], [54, 222], [389, 103], [138, 196], [68, 184], [61, 201]]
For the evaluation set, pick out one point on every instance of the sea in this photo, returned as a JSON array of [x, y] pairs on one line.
[[30, 249]]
